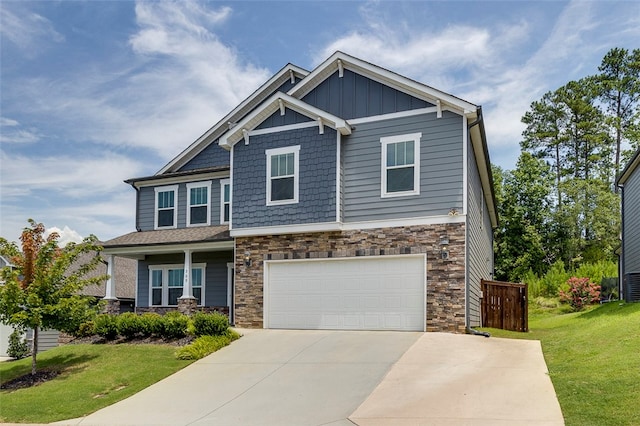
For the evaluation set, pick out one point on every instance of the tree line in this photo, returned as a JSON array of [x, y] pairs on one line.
[[560, 203]]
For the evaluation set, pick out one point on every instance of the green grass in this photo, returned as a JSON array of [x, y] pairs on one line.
[[593, 359], [91, 377]]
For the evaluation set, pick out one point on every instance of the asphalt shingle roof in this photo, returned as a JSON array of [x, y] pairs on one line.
[[198, 234]]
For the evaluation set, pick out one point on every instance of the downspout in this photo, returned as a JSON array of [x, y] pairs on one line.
[[478, 122], [621, 263]]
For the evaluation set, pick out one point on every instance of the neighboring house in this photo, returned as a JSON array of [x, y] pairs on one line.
[[348, 197], [629, 182], [125, 273]]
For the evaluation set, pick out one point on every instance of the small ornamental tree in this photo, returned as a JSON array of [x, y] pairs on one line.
[[41, 289], [581, 292]]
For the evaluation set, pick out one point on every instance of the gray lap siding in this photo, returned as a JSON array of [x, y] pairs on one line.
[[317, 179], [631, 237], [441, 169], [146, 208], [480, 242], [215, 275]]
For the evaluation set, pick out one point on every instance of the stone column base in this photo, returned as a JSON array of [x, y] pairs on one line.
[[187, 305], [112, 306]]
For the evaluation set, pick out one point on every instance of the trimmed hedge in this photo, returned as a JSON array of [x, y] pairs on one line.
[[173, 325], [205, 345]]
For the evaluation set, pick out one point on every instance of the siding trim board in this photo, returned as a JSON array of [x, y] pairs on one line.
[[351, 226], [394, 115]]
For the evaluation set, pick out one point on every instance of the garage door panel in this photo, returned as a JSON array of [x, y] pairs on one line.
[[355, 293]]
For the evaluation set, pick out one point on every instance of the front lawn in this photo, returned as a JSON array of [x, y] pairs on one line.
[[593, 359], [90, 377]]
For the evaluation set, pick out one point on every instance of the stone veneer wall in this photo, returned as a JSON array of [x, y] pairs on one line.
[[445, 278]]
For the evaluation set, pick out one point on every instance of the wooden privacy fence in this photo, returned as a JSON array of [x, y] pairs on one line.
[[504, 306]]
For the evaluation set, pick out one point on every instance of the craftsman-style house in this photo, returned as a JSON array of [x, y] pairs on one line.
[[348, 197]]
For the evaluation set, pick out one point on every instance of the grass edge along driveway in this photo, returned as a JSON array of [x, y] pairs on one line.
[[593, 361], [90, 377]]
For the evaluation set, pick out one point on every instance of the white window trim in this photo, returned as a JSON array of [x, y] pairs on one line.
[[384, 141], [165, 282], [295, 150], [159, 189], [224, 182], [202, 184]]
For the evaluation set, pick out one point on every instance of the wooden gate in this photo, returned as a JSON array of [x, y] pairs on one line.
[[504, 306]]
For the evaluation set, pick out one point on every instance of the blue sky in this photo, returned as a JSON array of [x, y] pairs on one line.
[[95, 92]]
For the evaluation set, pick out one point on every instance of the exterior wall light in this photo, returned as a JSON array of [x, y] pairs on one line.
[[247, 258], [444, 247]]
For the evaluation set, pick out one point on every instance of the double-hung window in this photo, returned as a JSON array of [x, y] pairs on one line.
[[166, 206], [283, 175], [400, 165], [166, 282], [199, 203], [225, 200]]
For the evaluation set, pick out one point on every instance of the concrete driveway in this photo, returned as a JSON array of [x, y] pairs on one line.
[[289, 377]]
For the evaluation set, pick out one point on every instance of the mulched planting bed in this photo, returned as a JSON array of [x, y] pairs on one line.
[[29, 380]]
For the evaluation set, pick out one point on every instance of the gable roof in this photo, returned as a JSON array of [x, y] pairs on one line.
[[629, 169], [281, 101], [289, 72], [340, 60]]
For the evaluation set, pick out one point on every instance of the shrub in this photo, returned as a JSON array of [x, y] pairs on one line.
[[86, 329], [205, 345], [18, 347], [129, 324], [152, 324], [106, 326], [581, 292], [214, 324], [175, 325]]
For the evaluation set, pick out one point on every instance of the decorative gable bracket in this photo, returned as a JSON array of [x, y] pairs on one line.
[[281, 101]]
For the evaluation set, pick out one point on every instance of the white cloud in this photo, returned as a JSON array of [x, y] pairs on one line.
[[27, 30], [11, 132], [66, 235], [70, 176]]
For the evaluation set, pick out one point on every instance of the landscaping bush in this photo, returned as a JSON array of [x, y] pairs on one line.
[[152, 324], [129, 325], [214, 324], [205, 345], [18, 347], [175, 325], [86, 329], [106, 326], [581, 292]]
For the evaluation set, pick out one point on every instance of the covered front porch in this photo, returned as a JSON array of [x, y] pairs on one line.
[[186, 269]]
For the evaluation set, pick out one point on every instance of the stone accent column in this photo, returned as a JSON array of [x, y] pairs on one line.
[[112, 306], [187, 305]]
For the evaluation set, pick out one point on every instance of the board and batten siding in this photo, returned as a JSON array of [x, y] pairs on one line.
[[215, 274], [441, 163], [357, 96], [317, 179], [146, 207], [480, 241], [211, 156]]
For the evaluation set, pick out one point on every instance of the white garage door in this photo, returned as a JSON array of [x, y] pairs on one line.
[[372, 293]]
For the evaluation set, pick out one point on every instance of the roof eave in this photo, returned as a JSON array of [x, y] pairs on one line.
[[629, 169], [214, 132]]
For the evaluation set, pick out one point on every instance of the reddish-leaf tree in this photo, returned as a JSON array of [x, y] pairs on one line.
[[41, 288]]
